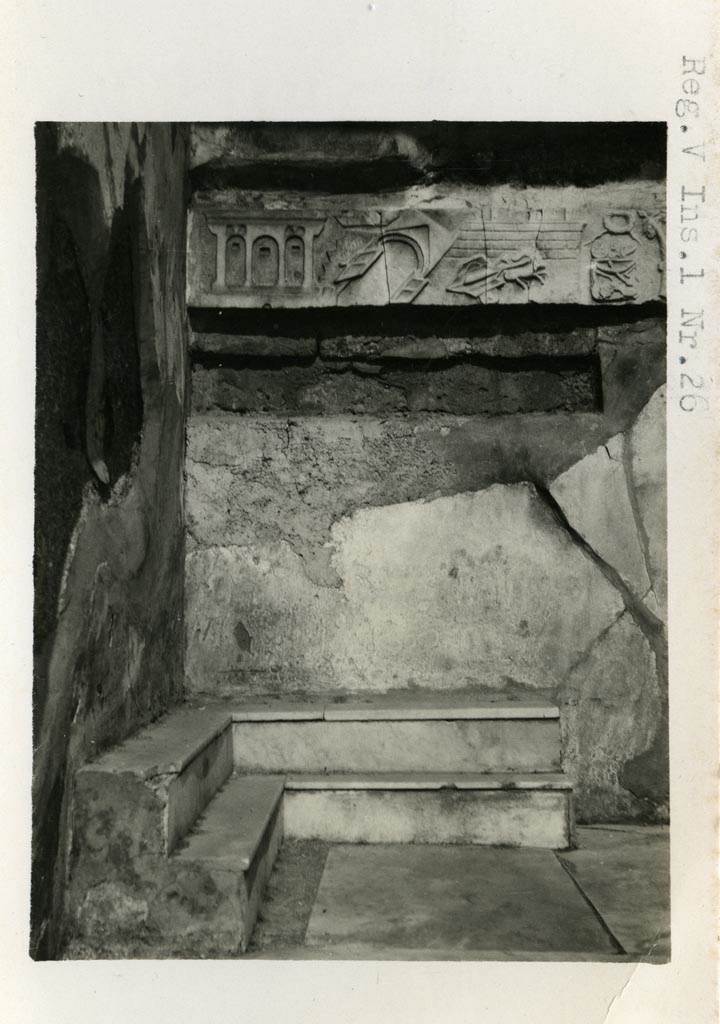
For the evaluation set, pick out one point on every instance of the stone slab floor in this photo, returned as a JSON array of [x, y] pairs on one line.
[[607, 900]]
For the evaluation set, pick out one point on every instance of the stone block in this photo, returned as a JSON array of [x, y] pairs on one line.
[[238, 147], [251, 346], [451, 902], [619, 671], [626, 875], [429, 781], [191, 790], [232, 830], [250, 251], [460, 389], [580, 342], [648, 467], [167, 773], [372, 746], [165, 909], [593, 495], [450, 707], [129, 899], [484, 817]]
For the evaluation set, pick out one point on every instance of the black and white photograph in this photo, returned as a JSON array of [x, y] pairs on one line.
[[350, 541], [360, 571]]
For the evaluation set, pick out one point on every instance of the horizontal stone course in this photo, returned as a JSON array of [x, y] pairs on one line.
[[397, 745], [165, 747], [252, 346], [395, 707], [230, 833], [171, 769], [516, 818], [460, 388], [430, 781], [478, 246]]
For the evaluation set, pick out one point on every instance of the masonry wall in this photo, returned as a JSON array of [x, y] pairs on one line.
[[110, 410], [387, 549], [407, 498]]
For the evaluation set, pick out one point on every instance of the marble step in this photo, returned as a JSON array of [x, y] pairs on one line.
[[236, 825], [451, 736], [151, 788], [494, 809], [219, 873]]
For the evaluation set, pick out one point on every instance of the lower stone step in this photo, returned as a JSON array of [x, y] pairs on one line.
[[200, 902], [494, 809], [230, 855]]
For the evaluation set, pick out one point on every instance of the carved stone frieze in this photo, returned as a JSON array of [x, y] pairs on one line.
[[653, 226], [427, 255], [613, 264]]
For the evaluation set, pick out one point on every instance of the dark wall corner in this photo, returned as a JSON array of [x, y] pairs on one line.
[[110, 435]]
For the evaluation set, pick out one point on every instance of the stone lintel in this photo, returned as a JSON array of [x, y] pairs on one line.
[[606, 249]]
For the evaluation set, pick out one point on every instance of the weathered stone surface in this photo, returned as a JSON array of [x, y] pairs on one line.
[[464, 388], [127, 898], [158, 782], [251, 250], [233, 829], [616, 500], [459, 746], [647, 447], [261, 478], [162, 910], [252, 346], [351, 156], [111, 396], [267, 491], [239, 147], [416, 581], [593, 495], [512, 817], [537, 343], [434, 781], [451, 901], [626, 875], [618, 672], [628, 332]]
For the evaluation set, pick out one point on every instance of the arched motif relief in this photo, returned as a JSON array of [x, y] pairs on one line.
[[294, 261], [404, 259], [235, 262], [265, 262]]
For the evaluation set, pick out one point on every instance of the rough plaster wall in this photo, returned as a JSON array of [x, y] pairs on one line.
[[110, 445], [376, 552], [347, 532]]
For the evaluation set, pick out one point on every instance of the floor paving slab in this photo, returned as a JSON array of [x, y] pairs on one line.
[[625, 873], [453, 898]]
